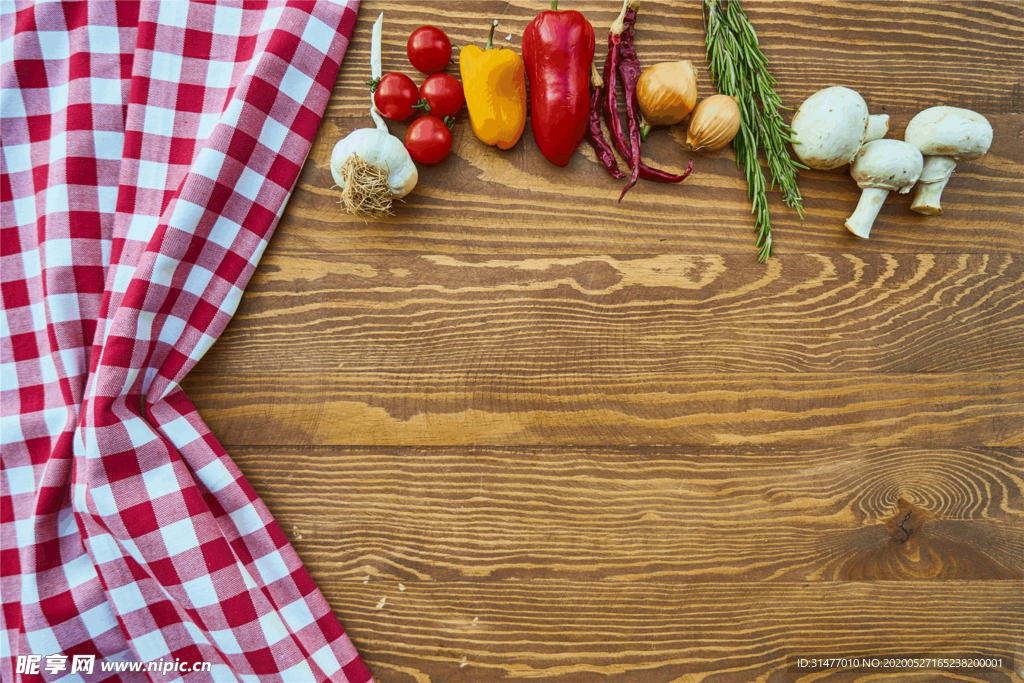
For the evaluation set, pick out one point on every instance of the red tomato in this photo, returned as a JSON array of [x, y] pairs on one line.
[[443, 93], [396, 96], [428, 140], [429, 49]]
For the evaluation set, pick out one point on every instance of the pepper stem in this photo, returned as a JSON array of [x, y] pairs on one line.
[[490, 38], [554, 5], [644, 131], [619, 25], [595, 77]]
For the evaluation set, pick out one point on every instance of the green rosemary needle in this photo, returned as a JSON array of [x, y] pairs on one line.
[[739, 68]]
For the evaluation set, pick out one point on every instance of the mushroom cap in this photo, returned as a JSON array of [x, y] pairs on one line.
[[950, 132], [829, 127], [890, 165]]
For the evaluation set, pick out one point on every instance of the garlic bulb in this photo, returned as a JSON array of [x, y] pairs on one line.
[[371, 166], [714, 124], [667, 92], [381, 149]]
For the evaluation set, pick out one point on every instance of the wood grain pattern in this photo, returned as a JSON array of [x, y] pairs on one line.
[[521, 431], [672, 632], [646, 514], [635, 406], [592, 315]]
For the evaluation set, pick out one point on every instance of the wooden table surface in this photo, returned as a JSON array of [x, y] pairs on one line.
[[520, 431]]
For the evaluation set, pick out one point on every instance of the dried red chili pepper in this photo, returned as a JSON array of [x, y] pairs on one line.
[[629, 70], [611, 93], [611, 104], [658, 176], [595, 136]]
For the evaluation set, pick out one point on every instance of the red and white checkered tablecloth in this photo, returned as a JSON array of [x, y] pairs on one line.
[[148, 150]]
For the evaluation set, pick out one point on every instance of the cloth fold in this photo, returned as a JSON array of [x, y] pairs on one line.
[[148, 150]]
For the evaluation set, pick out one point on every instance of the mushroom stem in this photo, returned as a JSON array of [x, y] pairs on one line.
[[933, 181], [871, 200], [878, 126]]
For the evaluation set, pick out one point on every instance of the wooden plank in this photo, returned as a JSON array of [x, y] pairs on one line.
[[610, 631], [451, 412], [651, 405], [902, 56], [483, 200], [644, 514], [679, 313]]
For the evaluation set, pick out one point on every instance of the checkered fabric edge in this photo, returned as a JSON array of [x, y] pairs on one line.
[[148, 151]]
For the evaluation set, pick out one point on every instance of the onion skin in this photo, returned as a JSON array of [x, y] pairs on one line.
[[667, 92], [714, 124]]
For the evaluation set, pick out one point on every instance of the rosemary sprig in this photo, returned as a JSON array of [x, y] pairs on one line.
[[739, 68]]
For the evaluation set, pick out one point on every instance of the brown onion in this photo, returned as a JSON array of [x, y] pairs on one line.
[[667, 92], [714, 124]]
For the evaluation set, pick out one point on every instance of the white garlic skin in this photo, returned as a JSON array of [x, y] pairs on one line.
[[381, 149]]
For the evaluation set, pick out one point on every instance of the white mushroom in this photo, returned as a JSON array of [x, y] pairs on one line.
[[831, 125], [881, 167], [945, 135], [878, 126]]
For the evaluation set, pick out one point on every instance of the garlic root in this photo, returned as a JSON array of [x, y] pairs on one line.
[[365, 191]]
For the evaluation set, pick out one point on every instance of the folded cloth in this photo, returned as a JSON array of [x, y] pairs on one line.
[[148, 151]]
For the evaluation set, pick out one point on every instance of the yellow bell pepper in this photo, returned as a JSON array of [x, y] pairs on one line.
[[495, 84]]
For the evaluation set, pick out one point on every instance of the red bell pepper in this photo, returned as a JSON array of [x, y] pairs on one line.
[[558, 48]]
